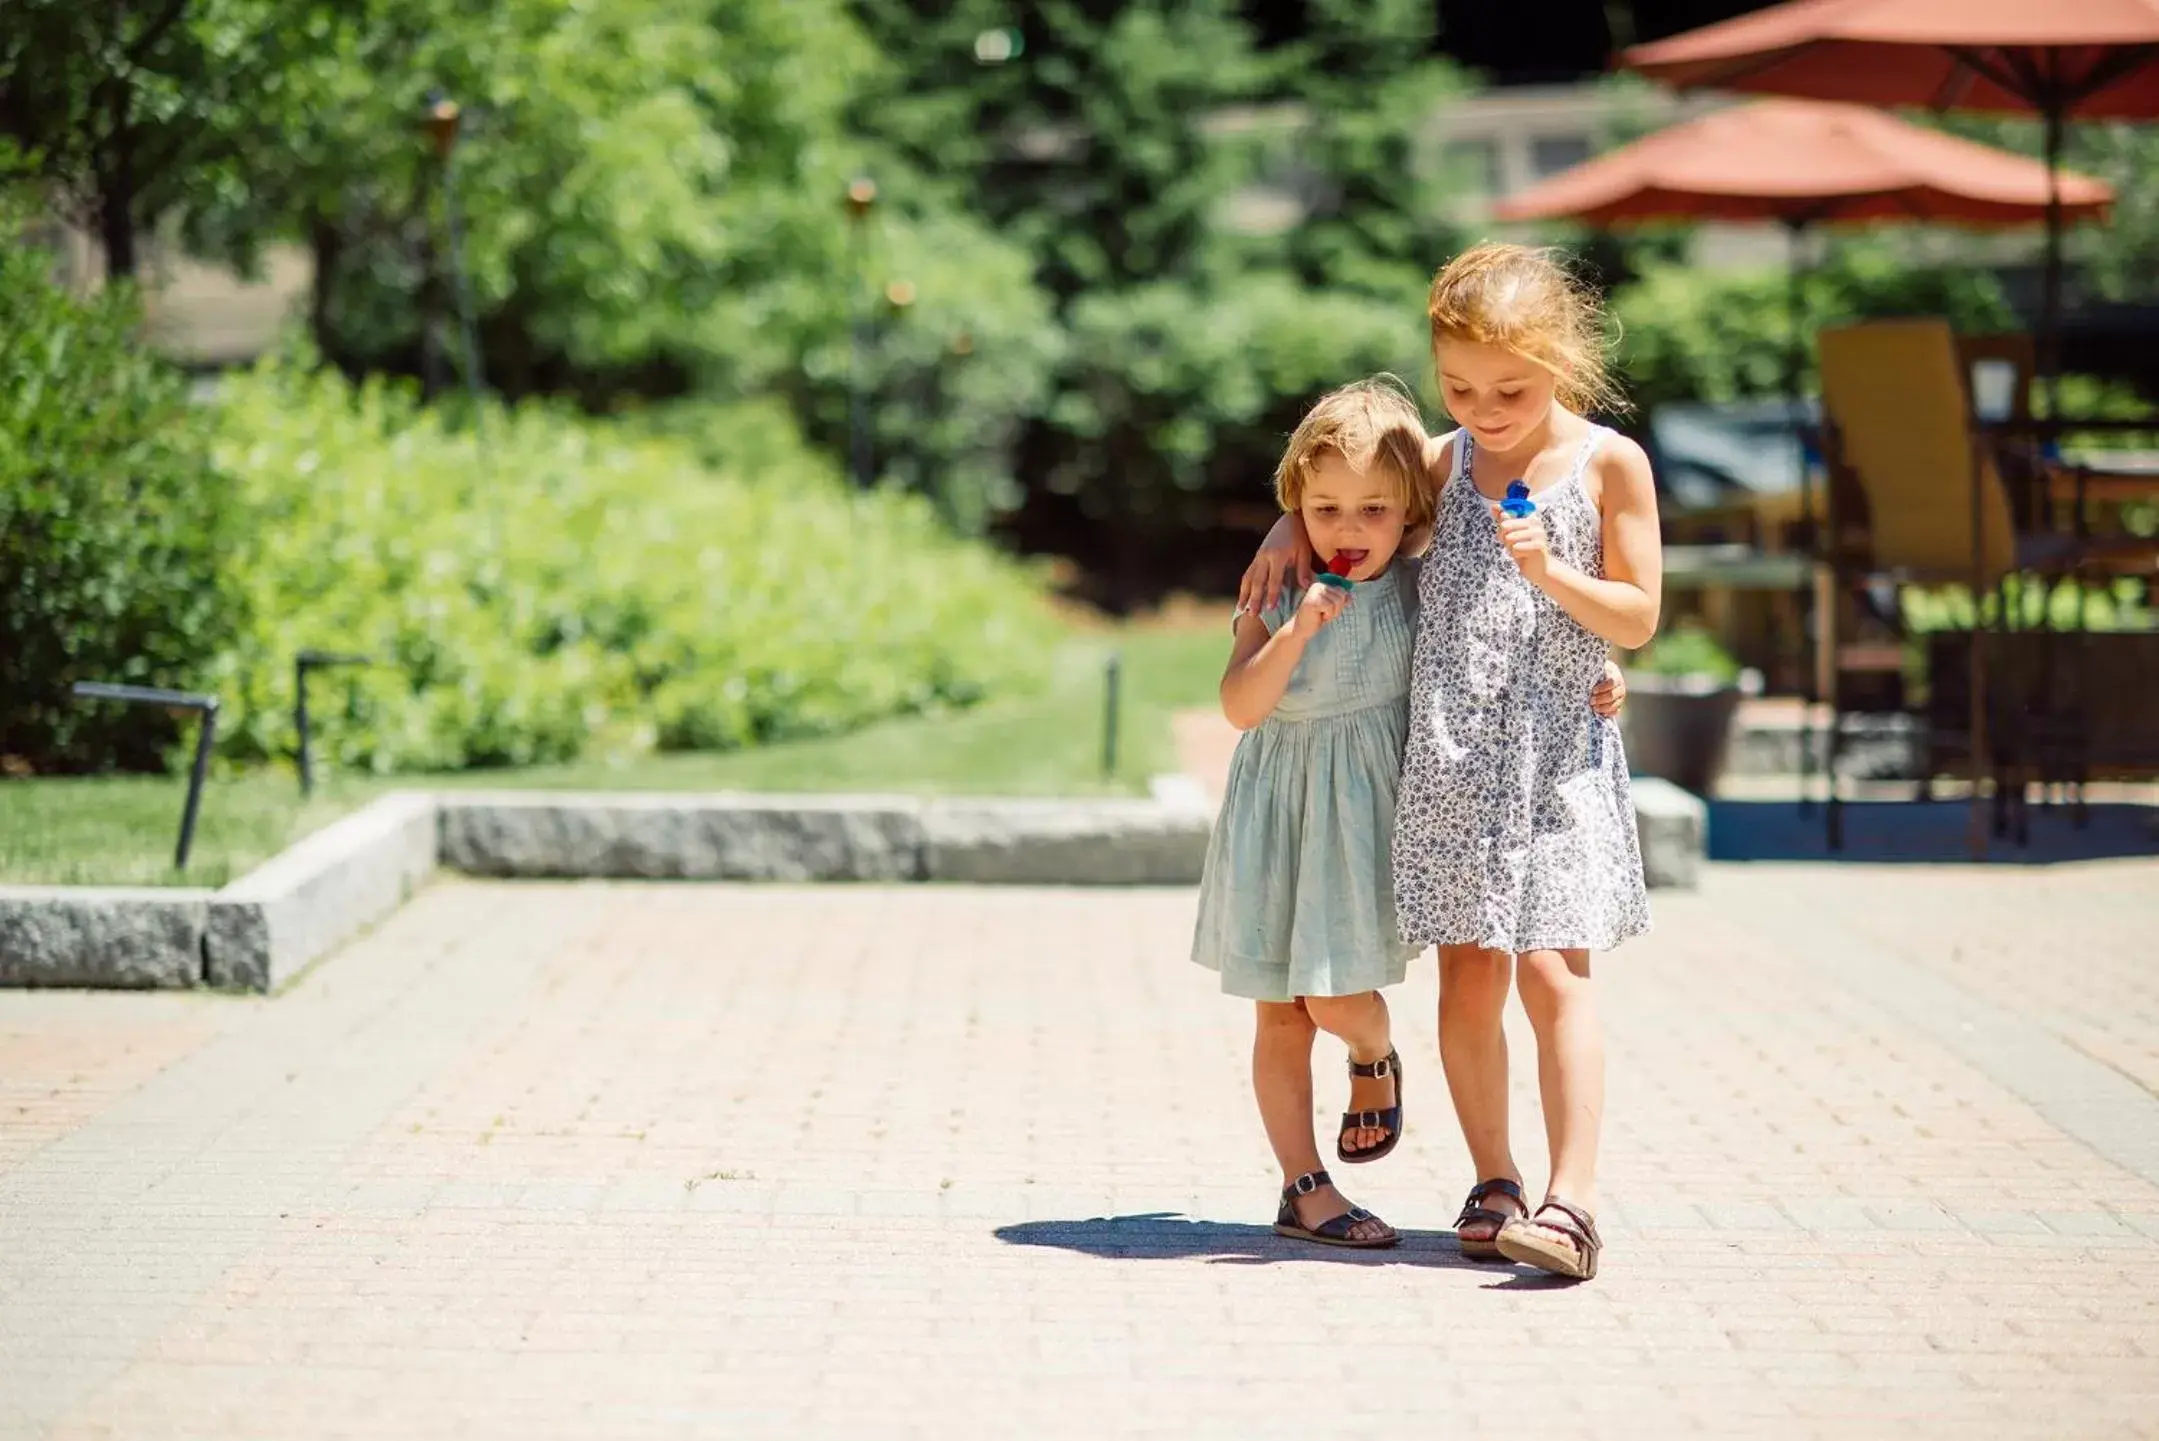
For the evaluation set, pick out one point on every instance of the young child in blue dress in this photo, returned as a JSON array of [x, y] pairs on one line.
[[1296, 907]]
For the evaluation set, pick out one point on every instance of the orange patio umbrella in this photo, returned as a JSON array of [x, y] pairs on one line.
[[2093, 59], [1797, 162]]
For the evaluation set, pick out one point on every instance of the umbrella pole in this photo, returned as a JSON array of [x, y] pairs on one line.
[[1795, 369], [2050, 301], [1976, 676]]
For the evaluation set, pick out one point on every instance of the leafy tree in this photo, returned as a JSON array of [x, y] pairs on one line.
[[1365, 84], [2120, 258], [650, 194], [1090, 144], [1687, 335], [1114, 145], [132, 109], [113, 520]]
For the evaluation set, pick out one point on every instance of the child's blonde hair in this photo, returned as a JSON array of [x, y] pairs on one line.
[[1529, 302], [1374, 425]]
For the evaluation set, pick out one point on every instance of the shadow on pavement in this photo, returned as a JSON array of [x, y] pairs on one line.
[[1923, 833], [1168, 1236]]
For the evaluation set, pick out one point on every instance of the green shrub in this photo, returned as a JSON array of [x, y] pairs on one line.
[[1689, 650], [2114, 605], [112, 520], [544, 587]]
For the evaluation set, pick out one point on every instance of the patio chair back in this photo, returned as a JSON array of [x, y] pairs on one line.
[[1894, 392]]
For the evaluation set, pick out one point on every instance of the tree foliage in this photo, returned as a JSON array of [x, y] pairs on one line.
[[113, 526]]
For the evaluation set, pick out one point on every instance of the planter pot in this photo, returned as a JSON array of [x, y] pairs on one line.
[[1679, 727]]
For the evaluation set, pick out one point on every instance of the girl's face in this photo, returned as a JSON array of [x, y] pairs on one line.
[[1353, 511], [1498, 396]]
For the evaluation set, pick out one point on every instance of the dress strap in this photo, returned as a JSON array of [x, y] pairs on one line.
[[1590, 442], [1462, 447]]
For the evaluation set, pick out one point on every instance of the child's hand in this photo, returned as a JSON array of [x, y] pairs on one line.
[[1610, 696], [1525, 540], [1283, 556], [1321, 604]]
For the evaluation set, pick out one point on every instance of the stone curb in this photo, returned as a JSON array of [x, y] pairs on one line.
[[719, 837], [265, 928], [124, 937], [821, 838], [276, 920], [1069, 843], [1673, 826]]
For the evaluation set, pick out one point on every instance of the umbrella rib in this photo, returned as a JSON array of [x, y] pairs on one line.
[[2111, 67], [2025, 79], [2000, 69]]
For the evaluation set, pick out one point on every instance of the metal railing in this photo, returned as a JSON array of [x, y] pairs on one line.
[[179, 702]]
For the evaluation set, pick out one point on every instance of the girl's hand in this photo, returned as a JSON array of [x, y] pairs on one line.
[[1525, 540], [1283, 554], [1321, 604], [1610, 696]]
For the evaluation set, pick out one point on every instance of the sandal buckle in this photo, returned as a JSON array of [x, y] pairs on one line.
[[1306, 1184]]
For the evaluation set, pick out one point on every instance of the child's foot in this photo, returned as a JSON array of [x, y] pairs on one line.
[[1370, 1098], [1321, 1213], [1560, 1238], [1491, 1205]]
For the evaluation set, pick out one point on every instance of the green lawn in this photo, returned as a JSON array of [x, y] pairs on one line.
[[120, 830]]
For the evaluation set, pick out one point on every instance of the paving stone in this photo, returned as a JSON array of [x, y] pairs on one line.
[[612, 1158]]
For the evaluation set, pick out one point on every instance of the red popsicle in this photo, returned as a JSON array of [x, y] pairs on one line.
[[1338, 569]]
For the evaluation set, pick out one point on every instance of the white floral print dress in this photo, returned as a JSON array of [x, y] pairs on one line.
[[1514, 825]]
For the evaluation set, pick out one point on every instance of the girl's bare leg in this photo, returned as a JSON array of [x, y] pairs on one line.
[[1282, 1083], [1570, 1067], [1473, 986], [1360, 1022]]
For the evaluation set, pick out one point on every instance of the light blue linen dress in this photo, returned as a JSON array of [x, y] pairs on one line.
[[1298, 897]]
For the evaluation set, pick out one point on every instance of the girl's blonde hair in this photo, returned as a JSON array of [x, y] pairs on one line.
[[1529, 301], [1374, 425]]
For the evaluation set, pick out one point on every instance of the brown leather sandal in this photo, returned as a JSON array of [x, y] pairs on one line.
[[1335, 1230], [1388, 1119], [1476, 1213], [1568, 1246]]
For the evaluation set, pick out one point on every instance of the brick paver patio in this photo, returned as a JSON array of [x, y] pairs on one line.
[[646, 1161]]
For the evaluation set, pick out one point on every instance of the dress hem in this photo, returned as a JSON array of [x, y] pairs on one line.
[[1517, 946], [1283, 996]]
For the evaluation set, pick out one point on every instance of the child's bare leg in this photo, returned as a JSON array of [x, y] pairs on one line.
[[1473, 986], [1282, 1082], [1361, 1023], [1570, 1066]]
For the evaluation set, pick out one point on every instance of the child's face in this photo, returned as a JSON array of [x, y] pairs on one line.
[[1348, 509], [1496, 395]]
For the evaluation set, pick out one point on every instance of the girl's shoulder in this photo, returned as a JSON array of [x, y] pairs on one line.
[[1618, 466], [1439, 458]]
